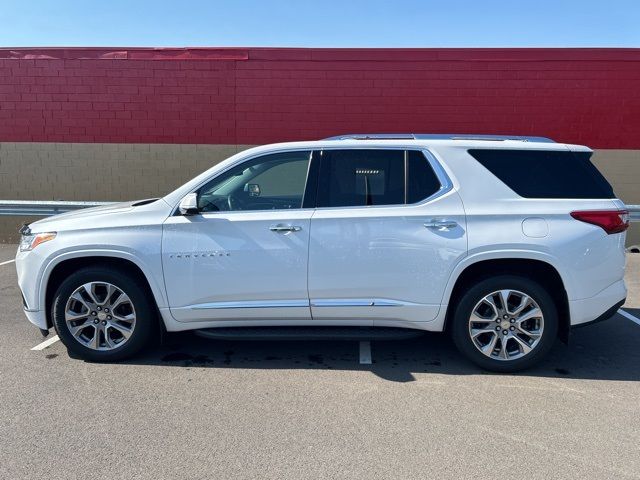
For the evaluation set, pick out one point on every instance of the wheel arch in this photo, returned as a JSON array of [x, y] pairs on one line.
[[65, 264], [541, 270]]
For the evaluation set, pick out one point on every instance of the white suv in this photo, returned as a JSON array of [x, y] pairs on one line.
[[505, 242]]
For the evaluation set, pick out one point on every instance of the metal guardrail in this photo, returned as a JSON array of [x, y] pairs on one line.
[[45, 208], [42, 208]]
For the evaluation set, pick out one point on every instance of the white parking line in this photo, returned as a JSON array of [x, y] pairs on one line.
[[629, 316], [365, 353], [7, 262], [46, 343]]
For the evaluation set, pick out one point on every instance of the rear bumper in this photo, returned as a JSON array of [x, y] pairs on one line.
[[600, 306], [605, 316]]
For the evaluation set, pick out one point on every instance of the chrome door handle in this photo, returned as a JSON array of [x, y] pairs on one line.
[[284, 228], [441, 225]]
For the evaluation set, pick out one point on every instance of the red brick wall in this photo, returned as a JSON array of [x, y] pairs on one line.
[[253, 96]]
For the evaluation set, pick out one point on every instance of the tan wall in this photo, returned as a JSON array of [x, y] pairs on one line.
[[97, 172], [101, 171], [111, 172], [622, 169]]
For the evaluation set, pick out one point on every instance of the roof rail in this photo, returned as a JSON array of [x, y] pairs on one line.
[[374, 136], [438, 136]]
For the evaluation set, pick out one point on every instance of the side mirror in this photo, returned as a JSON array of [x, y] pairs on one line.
[[253, 189], [189, 204]]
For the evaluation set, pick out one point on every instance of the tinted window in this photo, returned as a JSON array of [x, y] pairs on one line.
[[283, 180], [270, 182], [421, 179], [546, 174], [361, 178]]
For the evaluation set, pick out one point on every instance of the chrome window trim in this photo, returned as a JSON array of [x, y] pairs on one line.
[[446, 185]]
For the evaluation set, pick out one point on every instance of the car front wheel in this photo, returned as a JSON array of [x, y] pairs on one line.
[[103, 315], [506, 323]]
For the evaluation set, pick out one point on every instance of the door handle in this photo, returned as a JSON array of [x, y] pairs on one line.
[[284, 228], [441, 225]]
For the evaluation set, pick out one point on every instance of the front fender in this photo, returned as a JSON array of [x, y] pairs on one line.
[[150, 271]]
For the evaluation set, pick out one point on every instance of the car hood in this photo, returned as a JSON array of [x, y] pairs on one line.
[[105, 215]]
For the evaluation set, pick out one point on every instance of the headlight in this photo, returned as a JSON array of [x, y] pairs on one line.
[[31, 241]]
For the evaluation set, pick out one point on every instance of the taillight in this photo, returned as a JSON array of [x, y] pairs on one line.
[[611, 221]]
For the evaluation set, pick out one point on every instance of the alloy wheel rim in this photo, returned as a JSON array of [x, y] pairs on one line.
[[100, 316], [506, 325]]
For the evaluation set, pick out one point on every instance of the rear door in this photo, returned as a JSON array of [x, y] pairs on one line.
[[386, 234]]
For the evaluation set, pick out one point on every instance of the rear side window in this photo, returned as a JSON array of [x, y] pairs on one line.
[[361, 178], [374, 177], [546, 174]]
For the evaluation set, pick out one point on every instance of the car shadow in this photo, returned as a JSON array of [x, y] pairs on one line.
[[603, 351]]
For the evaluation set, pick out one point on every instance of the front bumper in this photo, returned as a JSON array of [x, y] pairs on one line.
[[29, 267]]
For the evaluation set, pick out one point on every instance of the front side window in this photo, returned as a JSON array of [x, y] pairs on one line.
[[374, 177], [270, 182]]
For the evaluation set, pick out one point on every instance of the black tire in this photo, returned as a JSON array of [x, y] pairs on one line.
[[146, 319], [466, 304]]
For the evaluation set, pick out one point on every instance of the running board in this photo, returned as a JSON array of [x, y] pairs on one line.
[[308, 333]]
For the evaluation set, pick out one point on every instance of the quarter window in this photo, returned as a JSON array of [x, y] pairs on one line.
[[546, 173], [422, 181]]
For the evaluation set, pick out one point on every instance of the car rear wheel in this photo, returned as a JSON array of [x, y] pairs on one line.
[[102, 315], [505, 323]]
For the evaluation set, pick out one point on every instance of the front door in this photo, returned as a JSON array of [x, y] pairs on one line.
[[387, 234], [244, 256]]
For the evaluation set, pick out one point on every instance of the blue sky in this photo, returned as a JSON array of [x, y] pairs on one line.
[[326, 23]]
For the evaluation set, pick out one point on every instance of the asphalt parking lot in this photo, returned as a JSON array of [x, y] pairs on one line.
[[211, 409]]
